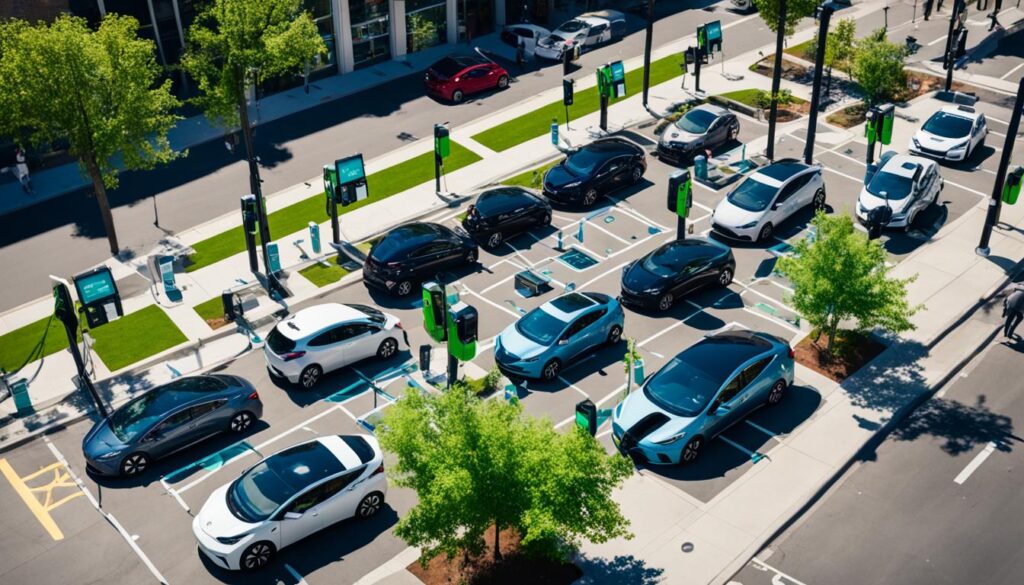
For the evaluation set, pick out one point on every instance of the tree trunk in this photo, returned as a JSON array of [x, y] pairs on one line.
[[101, 199], [831, 335], [497, 542], [254, 175]]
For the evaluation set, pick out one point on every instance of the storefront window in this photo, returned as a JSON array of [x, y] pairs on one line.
[[371, 31], [426, 24], [476, 18]]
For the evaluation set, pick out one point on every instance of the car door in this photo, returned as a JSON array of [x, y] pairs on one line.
[[754, 387], [979, 132], [209, 418], [688, 278], [581, 335], [597, 34], [720, 419], [476, 79], [170, 434], [612, 174], [301, 517], [359, 343], [782, 206], [325, 350], [341, 497], [717, 133], [428, 259]]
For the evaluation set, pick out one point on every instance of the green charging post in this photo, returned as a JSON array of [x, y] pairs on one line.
[[872, 122], [1011, 187], [586, 416], [888, 114], [442, 148], [435, 310], [680, 199], [604, 89], [463, 321]]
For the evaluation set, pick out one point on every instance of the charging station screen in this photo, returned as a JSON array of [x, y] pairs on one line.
[[350, 169], [94, 287]]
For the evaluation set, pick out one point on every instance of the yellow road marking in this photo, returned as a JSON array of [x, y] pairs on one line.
[[41, 510]]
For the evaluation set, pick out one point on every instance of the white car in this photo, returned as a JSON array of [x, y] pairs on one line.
[[907, 184], [528, 33], [953, 133], [769, 196], [588, 30], [303, 347], [289, 496]]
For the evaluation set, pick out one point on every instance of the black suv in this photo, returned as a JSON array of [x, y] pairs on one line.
[[414, 252], [505, 211], [595, 169]]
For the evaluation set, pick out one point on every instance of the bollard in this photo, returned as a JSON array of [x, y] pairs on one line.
[[700, 167], [579, 233]]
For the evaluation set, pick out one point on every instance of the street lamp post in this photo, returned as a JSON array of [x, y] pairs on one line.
[[647, 49], [254, 175], [995, 202], [958, 7], [780, 37], [824, 16]]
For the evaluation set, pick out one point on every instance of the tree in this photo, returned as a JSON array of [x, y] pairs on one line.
[[839, 48], [878, 68], [479, 463], [422, 32], [840, 276], [98, 90], [796, 10], [231, 46]]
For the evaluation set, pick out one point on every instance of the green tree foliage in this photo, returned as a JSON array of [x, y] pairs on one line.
[[235, 43], [476, 463], [841, 276], [840, 44], [763, 98], [878, 68], [796, 10], [99, 90], [422, 32]]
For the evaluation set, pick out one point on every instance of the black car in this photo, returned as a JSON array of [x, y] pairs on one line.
[[700, 130], [595, 169], [415, 252], [665, 275], [505, 211]]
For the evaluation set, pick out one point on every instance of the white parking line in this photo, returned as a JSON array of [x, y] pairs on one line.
[[110, 517], [295, 575], [975, 463], [765, 566], [603, 274], [778, 322], [938, 40], [841, 174], [1012, 71], [762, 429], [574, 387], [732, 443], [494, 304]]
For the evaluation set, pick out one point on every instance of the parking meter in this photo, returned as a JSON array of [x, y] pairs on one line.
[[554, 132], [249, 228], [586, 416], [463, 322], [435, 309], [1011, 188], [700, 167], [680, 193]]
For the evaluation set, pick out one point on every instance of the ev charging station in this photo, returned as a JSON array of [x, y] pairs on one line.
[[97, 291], [878, 128], [447, 319], [1011, 188], [442, 148], [611, 82], [680, 199], [249, 227], [344, 184]]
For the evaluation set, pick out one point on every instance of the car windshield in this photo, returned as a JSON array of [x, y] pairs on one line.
[[573, 26], [948, 125], [540, 327], [254, 496], [371, 313], [752, 195], [890, 186], [696, 121], [682, 387], [584, 162], [668, 260]]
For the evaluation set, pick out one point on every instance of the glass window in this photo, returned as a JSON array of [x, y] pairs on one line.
[[475, 18], [174, 421], [278, 342], [540, 326], [325, 338], [426, 24], [371, 28], [200, 410], [948, 125], [890, 186], [752, 195], [696, 121]]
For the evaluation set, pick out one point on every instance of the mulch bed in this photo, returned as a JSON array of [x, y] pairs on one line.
[[791, 70], [851, 351], [514, 568], [918, 84]]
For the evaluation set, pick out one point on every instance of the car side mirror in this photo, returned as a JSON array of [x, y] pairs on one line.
[[563, 341], [722, 409], [775, 206], [292, 515]]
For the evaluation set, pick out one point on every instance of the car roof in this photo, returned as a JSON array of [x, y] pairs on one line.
[[904, 165], [407, 237], [961, 111], [712, 108], [310, 462], [566, 307], [314, 319], [720, 354], [694, 248], [494, 200], [782, 170], [613, 145]]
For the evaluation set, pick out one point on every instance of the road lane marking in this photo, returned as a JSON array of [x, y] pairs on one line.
[[765, 566], [1012, 71], [295, 575], [41, 510], [975, 463], [938, 40]]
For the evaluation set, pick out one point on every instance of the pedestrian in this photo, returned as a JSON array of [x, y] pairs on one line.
[[521, 54], [928, 8], [995, 16], [21, 170], [1013, 310]]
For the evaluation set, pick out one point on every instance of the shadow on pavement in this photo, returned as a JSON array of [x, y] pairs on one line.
[[620, 570], [959, 427]]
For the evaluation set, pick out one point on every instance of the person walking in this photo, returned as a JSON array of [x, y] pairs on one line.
[[1013, 310], [21, 170]]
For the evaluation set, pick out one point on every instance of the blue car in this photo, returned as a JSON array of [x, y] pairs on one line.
[[704, 390], [547, 338]]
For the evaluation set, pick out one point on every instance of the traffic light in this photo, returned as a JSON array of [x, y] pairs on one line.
[[680, 193], [1011, 188], [442, 143], [462, 331], [567, 90], [434, 311]]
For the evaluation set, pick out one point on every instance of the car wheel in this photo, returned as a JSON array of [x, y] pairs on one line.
[[691, 450], [471, 257], [494, 240], [387, 349], [818, 202], [614, 335], [776, 393], [134, 464], [310, 376], [403, 288], [241, 421], [551, 369], [503, 82], [733, 133], [457, 96], [725, 277], [766, 232], [370, 504], [546, 220], [665, 302], [590, 198], [257, 556], [636, 174]]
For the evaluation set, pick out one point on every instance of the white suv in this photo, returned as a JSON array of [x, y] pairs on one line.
[[304, 346], [907, 184], [952, 133], [769, 196]]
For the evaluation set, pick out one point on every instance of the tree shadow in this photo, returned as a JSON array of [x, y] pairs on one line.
[[620, 570], [960, 427], [891, 380]]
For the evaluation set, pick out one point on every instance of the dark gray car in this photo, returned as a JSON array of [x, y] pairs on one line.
[[700, 131], [169, 418]]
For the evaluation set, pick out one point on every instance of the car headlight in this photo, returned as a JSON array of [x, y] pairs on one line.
[[747, 226], [958, 148], [653, 290], [572, 185], [529, 360], [110, 455], [672, 439], [231, 539], [916, 143]]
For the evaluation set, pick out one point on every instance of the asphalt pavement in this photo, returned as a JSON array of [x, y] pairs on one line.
[[939, 502]]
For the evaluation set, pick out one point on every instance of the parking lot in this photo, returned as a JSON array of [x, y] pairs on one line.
[[99, 519]]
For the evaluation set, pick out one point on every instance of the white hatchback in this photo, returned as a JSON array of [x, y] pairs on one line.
[[907, 184], [303, 347], [753, 210], [953, 133], [289, 496]]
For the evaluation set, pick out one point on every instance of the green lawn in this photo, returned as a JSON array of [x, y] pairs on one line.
[[533, 178], [296, 217], [538, 122], [212, 311], [135, 336], [16, 346], [749, 97], [321, 275], [804, 50]]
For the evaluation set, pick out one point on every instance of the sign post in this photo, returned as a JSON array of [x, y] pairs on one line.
[[331, 188]]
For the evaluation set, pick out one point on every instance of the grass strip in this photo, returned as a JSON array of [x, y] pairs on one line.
[[17, 346], [212, 311], [538, 122], [749, 97], [135, 337], [296, 217], [321, 275]]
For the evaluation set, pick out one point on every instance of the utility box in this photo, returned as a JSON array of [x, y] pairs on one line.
[[1011, 188], [97, 291]]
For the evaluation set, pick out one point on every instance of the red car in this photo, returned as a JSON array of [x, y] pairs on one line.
[[456, 76]]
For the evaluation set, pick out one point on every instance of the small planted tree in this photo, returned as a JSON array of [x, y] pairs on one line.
[[841, 276], [477, 463], [99, 90], [796, 10], [422, 33], [878, 68], [839, 48]]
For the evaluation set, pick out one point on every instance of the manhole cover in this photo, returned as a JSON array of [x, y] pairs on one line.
[[577, 260], [687, 547]]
